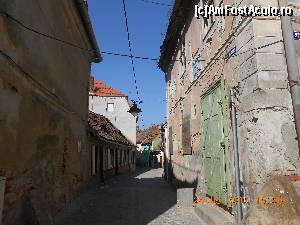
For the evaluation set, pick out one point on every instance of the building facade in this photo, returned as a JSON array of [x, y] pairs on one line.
[[114, 105], [45, 65], [112, 153], [203, 61], [145, 144]]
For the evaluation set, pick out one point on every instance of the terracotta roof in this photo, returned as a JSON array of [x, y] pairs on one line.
[[98, 88], [148, 135], [102, 127]]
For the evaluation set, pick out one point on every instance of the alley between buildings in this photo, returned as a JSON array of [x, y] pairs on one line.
[[137, 199]]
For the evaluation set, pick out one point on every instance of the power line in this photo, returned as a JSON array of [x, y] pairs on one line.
[[239, 53], [43, 34], [131, 55], [130, 49], [104, 52], [67, 42], [75, 45], [145, 58], [164, 4], [53, 98], [156, 3]]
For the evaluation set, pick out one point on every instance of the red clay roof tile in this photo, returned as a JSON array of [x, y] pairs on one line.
[[103, 90], [102, 127], [148, 135]]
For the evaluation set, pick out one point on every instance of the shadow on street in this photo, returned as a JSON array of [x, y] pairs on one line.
[[133, 199]]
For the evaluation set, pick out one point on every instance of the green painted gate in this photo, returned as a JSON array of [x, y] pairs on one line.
[[212, 124]]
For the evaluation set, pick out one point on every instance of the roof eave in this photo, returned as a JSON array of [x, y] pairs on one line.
[[82, 9], [177, 20]]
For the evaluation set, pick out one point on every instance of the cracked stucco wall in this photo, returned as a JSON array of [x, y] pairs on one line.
[[266, 128], [186, 97], [267, 136], [43, 106]]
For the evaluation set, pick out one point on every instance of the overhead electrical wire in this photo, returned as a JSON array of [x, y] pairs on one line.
[[156, 3], [109, 52], [131, 57], [53, 97], [43, 34], [75, 45]]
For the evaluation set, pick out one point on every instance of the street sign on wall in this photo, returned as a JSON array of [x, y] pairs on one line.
[[296, 35], [230, 54]]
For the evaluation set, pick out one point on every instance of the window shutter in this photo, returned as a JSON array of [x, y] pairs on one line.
[[170, 141], [186, 136]]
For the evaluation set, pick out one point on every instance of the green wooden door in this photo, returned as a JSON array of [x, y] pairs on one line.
[[212, 124]]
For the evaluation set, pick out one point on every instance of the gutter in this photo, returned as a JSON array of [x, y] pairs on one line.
[[239, 212], [82, 9], [292, 68], [95, 134]]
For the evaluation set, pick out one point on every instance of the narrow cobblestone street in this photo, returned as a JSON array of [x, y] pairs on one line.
[[143, 198]]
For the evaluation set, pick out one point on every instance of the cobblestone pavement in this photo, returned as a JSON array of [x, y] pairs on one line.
[[139, 199]]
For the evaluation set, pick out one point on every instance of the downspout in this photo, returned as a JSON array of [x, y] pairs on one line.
[[292, 67], [236, 158], [2, 189], [82, 8]]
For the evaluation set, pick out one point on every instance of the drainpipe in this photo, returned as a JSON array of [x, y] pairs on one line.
[[292, 67], [236, 157], [2, 188], [82, 8]]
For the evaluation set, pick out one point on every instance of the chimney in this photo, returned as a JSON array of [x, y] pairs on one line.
[[92, 82]]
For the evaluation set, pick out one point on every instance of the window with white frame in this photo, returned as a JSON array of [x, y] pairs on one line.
[[110, 107]]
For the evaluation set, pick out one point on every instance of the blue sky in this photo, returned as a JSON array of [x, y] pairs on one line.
[[147, 26]]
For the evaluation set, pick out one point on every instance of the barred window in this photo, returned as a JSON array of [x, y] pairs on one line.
[[196, 66]]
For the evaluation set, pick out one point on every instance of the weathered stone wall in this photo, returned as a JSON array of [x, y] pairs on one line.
[[188, 90], [43, 105], [266, 128]]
